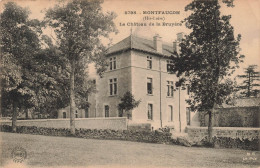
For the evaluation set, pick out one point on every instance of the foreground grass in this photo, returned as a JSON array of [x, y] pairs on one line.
[[68, 151]]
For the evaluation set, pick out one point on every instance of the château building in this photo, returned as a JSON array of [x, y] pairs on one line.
[[141, 66]]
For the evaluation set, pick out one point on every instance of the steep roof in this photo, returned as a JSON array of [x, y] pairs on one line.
[[140, 44]]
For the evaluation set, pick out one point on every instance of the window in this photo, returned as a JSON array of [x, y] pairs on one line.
[[64, 114], [150, 112], [113, 86], [149, 62], [120, 113], [106, 111], [169, 65], [188, 89], [112, 63], [86, 113], [149, 86], [170, 119], [76, 114], [169, 88], [188, 115]]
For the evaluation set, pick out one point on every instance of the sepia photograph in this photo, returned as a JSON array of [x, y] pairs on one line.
[[119, 83]]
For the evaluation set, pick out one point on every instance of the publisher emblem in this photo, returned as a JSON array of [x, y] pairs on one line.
[[19, 154]]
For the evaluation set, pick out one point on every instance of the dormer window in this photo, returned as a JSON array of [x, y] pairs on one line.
[[149, 62], [112, 63]]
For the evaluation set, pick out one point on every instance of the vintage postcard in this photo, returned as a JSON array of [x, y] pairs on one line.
[[141, 83]]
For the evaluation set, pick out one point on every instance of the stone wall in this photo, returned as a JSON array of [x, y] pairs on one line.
[[113, 123], [234, 117], [231, 132], [227, 137], [139, 126]]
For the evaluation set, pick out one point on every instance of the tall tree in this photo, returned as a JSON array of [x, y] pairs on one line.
[[250, 84], [209, 54], [19, 44], [31, 69], [79, 26]]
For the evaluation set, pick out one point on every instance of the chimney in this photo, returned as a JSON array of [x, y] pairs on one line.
[[176, 43], [157, 42], [180, 36], [175, 46]]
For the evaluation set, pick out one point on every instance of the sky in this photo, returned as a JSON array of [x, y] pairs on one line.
[[245, 19]]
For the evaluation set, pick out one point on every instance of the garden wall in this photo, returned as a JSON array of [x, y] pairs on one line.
[[228, 137], [113, 123], [139, 126], [234, 117]]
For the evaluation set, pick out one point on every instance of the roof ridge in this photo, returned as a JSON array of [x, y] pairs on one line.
[[119, 41], [149, 39], [139, 42]]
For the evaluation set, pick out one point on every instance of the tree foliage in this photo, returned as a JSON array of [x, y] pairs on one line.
[[209, 55], [19, 44], [79, 26], [128, 102], [250, 84], [31, 76]]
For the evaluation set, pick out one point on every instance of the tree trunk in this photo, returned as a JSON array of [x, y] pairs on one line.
[[26, 113], [14, 116], [72, 99], [210, 128], [249, 85]]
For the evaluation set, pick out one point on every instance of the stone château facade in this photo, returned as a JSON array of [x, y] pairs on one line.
[[141, 66]]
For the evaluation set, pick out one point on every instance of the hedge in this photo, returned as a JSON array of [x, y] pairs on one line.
[[128, 135], [161, 136]]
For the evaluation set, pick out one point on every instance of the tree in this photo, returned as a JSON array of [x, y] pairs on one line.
[[32, 76], [209, 55], [79, 26], [51, 88], [19, 44], [127, 103], [249, 86]]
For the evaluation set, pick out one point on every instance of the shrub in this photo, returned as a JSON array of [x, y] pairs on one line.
[[166, 129]]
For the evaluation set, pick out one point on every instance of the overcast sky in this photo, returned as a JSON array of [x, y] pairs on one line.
[[245, 19]]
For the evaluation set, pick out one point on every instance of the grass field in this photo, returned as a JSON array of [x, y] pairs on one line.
[[50, 151]]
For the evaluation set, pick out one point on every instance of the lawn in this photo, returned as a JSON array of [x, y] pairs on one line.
[[68, 151]]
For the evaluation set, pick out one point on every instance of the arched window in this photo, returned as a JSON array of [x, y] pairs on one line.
[[64, 114], [86, 113], [106, 111]]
